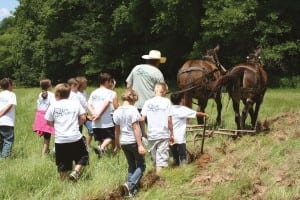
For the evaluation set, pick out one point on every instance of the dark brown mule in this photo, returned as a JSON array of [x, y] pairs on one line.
[[196, 77], [246, 82]]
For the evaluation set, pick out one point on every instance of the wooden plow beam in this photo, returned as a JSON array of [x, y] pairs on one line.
[[209, 133], [193, 128], [201, 133], [235, 131]]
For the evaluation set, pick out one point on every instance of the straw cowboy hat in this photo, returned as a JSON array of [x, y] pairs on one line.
[[155, 54]]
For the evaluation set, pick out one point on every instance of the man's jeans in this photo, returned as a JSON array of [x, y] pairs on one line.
[[6, 140], [136, 165]]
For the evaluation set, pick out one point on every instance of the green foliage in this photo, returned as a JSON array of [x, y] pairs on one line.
[[292, 82], [59, 39], [8, 35], [229, 23], [242, 26]]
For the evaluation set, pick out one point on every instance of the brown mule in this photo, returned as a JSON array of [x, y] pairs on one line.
[[247, 82], [196, 77]]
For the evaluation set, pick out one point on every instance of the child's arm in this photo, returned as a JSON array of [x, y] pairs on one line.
[[202, 114], [170, 126], [115, 102], [82, 119], [138, 138], [50, 123], [117, 138], [95, 115], [91, 109], [5, 109], [142, 124], [143, 118]]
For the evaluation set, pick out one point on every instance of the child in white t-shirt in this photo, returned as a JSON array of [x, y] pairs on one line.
[[99, 105], [129, 135], [82, 85], [40, 126], [8, 101], [180, 114], [157, 111], [76, 95], [66, 116]]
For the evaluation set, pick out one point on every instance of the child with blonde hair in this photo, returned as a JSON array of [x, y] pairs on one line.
[[128, 136], [40, 126], [66, 116], [157, 111]]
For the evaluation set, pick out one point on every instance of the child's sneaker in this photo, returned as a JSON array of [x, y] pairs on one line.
[[127, 192], [99, 151], [74, 176]]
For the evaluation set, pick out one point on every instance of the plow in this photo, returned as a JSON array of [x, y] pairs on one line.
[[198, 133]]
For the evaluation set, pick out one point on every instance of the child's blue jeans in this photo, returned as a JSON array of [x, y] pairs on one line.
[[136, 165], [6, 140]]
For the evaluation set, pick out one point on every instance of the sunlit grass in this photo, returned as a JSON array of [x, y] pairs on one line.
[[26, 175], [276, 101]]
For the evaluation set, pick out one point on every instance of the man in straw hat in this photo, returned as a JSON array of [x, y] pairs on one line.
[[143, 77]]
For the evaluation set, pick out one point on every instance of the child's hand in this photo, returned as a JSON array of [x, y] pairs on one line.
[[141, 150], [116, 149], [172, 141], [206, 115], [95, 117]]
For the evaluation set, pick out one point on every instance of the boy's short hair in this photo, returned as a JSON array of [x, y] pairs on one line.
[[73, 81], [62, 90], [176, 98], [161, 88], [129, 95], [45, 84], [5, 83], [104, 76]]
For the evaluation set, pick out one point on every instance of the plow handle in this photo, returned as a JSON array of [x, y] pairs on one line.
[[203, 135]]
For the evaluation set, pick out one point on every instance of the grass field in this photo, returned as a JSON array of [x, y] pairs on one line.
[[265, 166]]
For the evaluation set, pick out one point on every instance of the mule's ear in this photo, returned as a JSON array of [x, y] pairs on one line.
[[258, 51], [217, 48]]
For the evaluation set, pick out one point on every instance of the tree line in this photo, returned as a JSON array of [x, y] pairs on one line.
[[59, 39]]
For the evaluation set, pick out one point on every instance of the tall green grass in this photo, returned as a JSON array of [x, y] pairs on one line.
[[26, 175]]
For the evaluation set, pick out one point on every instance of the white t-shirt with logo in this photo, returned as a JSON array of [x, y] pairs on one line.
[[64, 113], [180, 114], [7, 97], [97, 99], [157, 110], [125, 116]]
